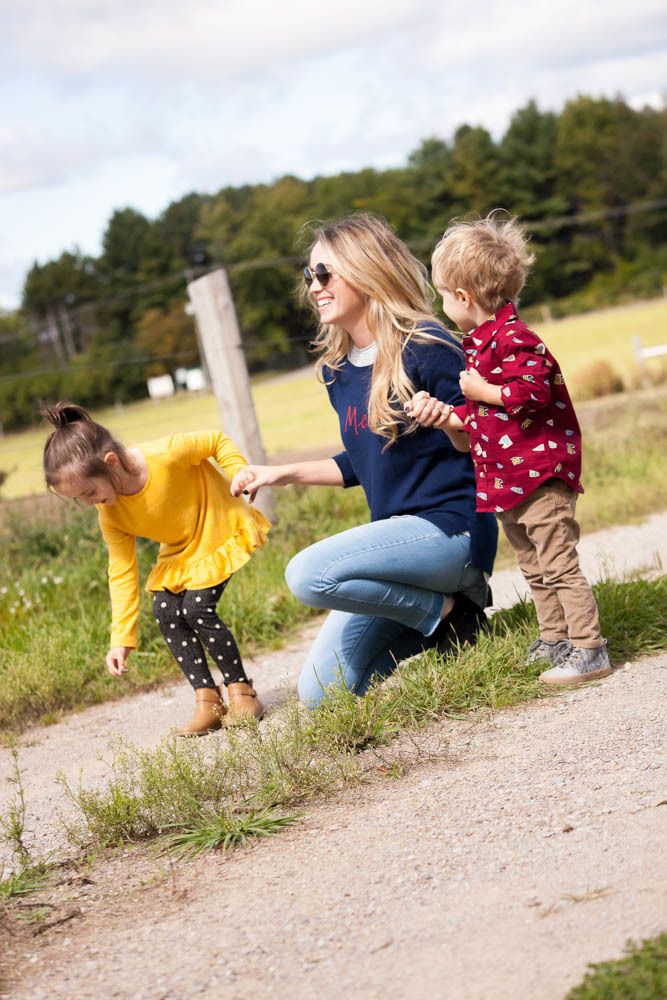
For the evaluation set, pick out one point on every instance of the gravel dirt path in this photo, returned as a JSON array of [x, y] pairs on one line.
[[511, 852]]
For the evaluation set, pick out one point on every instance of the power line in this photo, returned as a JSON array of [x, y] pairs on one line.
[[239, 267], [264, 263], [116, 363], [124, 362]]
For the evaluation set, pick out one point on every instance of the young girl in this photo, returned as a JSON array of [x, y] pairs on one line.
[[169, 491]]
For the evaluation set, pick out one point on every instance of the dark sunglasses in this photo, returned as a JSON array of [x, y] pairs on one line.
[[320, 271]]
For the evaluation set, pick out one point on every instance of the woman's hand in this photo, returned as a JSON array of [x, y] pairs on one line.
[[251, 478], [116, 658], [428, 411], [321, 472]]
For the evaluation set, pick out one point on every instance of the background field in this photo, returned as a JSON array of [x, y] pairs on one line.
[[53, 591], [294, 412]]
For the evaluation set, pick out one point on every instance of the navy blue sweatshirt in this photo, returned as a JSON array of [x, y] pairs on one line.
[[420, 473]]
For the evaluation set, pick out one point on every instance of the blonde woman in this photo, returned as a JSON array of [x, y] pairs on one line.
[[415, 576]]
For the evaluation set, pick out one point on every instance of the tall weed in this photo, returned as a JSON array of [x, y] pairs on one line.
[[300, 754]]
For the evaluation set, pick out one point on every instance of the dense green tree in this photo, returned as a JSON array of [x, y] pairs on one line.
[[527, 154], [16, 341], [163, 333], [581, 180], [123, 244], [427, 188], [52, 294], [474, 172]]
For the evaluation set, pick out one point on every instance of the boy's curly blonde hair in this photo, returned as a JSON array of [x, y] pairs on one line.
[[489, 258]]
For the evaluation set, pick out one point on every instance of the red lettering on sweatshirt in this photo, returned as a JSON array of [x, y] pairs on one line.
[[352, 421]]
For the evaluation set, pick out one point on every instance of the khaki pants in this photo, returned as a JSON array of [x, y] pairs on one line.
[[544, 534]]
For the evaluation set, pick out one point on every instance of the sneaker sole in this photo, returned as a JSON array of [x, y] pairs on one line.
[[594, 675]]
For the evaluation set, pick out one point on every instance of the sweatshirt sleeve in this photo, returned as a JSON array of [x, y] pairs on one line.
[[435, 365], [343, 462], [123, 584], [195, 448]]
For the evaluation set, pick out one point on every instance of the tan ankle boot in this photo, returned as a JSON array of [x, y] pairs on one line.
[[243, 703], [209, 710]]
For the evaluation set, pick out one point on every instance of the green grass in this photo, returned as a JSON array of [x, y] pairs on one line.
[[25, 881], [225, 831], [641, 974], [294, 413], [301, 754], [54, 606], [580, 341]]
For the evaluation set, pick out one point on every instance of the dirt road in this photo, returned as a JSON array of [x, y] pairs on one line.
[[512, 852]]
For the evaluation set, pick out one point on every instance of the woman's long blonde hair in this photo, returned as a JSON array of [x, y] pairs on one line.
[[365, 252]]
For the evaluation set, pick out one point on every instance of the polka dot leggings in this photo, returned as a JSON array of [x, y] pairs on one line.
[[190, 624]]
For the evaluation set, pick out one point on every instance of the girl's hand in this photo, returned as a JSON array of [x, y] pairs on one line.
[[116, 658], [473, 386], [251, 478], [427, 410]]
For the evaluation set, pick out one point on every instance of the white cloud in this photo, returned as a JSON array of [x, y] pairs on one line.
[[513, 39], [138, 101], [213, 40], [12, 275]]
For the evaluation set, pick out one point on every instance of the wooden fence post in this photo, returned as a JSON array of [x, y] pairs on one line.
[[218, 326]]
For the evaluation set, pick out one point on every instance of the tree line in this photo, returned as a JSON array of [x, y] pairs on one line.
[[590, 182]]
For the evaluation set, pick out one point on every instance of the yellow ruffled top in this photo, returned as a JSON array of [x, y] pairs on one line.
[[205, 533]]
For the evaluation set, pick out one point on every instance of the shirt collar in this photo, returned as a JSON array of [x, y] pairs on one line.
[[482, 334]]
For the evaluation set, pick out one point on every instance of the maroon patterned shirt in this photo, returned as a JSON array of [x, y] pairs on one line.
[[535, 435]]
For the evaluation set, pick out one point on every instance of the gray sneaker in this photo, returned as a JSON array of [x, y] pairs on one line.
[[542, 649], [580, 665]]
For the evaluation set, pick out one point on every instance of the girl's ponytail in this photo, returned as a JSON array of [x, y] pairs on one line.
[[76, 447]]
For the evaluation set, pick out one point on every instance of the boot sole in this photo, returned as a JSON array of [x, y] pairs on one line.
[[595, 675], [203, 732]]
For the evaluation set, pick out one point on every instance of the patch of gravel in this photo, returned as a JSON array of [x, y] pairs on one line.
[[512, 852]]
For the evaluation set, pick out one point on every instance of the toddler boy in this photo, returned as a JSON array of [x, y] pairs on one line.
[[524, 436]]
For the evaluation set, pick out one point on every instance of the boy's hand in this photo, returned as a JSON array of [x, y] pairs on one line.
[[474, 386], [428, 411], [116, 658]]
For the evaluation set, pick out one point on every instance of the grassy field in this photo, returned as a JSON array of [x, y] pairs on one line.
[[580, 341], [54, 605], [294, 412]]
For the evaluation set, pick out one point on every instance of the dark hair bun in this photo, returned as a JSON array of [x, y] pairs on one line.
[[62, 413]]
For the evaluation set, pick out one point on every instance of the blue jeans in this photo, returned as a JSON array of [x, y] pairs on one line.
[[385, 584]]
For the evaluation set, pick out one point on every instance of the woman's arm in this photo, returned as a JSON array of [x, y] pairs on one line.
[[324, 472]]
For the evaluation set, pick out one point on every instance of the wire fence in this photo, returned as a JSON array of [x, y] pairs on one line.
[[178, 280]]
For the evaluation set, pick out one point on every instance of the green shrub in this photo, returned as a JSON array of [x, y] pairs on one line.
[[640, 975]]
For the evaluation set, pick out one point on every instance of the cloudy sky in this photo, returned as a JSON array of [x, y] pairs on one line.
[[109, 103]]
